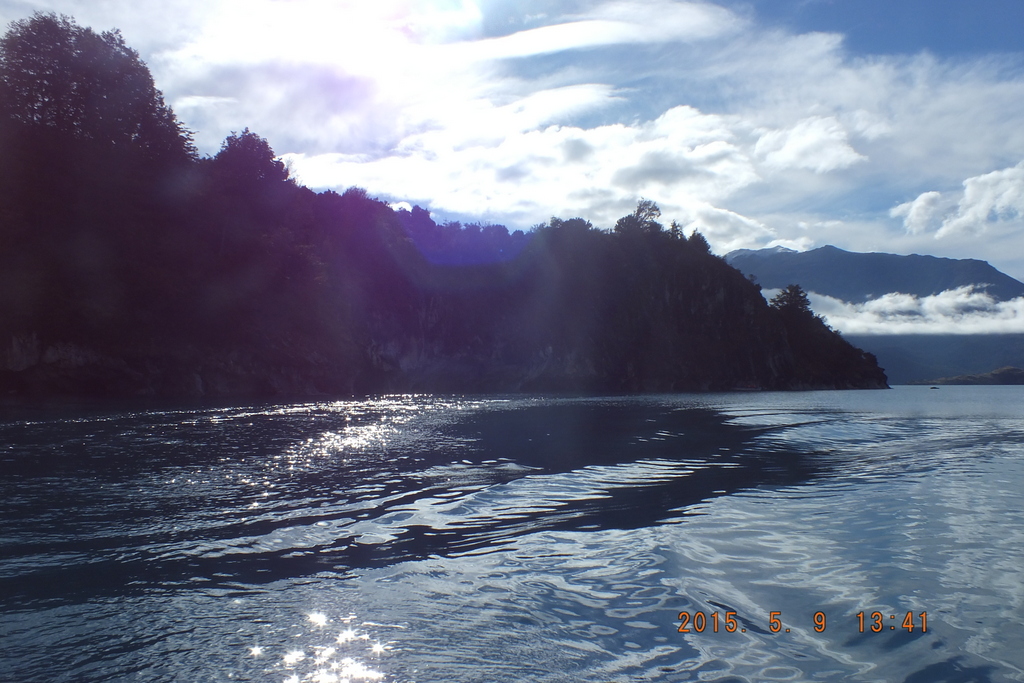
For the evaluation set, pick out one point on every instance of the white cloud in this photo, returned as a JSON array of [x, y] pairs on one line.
[[727, 230], [991, 204], [614, 23], [502, 164], [818, 143], [957, 311], [996, 197], [868, 125], [923, 213], [316, 74], [667, 20]]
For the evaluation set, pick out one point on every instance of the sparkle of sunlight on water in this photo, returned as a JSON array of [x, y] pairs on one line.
[[343, 659]]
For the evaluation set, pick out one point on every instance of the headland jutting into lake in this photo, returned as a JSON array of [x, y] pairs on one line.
[[132, 266]]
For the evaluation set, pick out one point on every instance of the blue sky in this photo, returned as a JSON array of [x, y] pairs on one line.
[[870, 125], [943, 27]]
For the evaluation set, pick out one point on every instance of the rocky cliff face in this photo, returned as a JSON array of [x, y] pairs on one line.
[[67, 369]]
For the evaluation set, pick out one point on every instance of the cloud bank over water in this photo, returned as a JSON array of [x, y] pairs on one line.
[[964, 310]]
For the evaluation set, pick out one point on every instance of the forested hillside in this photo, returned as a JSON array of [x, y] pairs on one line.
[[130, 265]]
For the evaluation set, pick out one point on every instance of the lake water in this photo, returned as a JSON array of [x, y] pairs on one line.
[[439, 539]]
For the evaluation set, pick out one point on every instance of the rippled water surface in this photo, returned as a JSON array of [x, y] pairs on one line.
[[426, 538]]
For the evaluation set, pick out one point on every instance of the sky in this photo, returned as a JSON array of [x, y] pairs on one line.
[[868, 125]]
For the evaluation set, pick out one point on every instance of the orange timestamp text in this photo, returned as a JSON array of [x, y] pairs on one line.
[[730, 622]]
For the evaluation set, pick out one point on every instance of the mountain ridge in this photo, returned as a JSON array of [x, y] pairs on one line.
[[857, 277]]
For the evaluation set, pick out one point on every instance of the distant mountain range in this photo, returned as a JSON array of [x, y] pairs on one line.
[[858, 277], [1007, 375]]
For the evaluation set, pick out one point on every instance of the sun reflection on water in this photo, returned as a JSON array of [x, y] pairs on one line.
[[343, 660], [367, 426]]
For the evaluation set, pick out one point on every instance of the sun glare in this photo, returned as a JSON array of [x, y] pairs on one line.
[[375, 39]]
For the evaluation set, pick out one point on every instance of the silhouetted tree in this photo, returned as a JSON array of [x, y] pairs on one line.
[[792, 301], [247, 160], [642, 220], [56, 74], [699, 242]]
